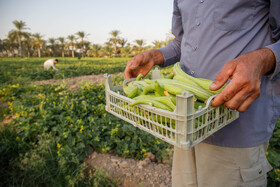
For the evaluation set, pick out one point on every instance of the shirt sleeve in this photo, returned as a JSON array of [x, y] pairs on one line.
[[274, 20], [172, 51]]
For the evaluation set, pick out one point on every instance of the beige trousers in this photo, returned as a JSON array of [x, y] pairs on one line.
[[207, 165]]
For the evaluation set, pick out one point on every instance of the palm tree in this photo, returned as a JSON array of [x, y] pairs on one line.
[[140, 44], [28, 42], [11, 44], [115, 39], [158, 44], [107, 49], [38, 42], [52, 42], [72, 39], [82, 36], [95, 50], [62, 45], [86, 47], [122, 42], [126, 51], [18, 33]]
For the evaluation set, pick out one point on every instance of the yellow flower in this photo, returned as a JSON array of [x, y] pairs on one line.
[[102, 149], [58, 152], [17, 138], [82, 128], [143, 151], [54, 102], [266, 153], [58, 145]]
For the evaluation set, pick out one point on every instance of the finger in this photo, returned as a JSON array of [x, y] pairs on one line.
[[248, 102], [128, 73], [223, 76], [228, 92], [238, 99], [135, 62]]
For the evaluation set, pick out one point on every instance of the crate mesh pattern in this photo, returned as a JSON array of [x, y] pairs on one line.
[[183, 128]]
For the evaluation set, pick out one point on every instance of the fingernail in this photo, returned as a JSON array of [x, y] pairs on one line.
[[213, 85]]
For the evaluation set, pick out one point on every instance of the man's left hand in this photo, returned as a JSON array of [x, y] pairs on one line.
[[245, 73]]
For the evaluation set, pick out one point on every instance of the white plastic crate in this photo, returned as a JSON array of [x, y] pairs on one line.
[[183, 128]]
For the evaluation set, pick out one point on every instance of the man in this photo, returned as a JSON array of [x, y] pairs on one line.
[[233, 41], [50, 64]]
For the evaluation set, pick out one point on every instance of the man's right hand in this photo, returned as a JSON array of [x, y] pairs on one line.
[[143, 63]]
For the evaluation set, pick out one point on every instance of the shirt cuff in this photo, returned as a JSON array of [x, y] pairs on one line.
[[275, 47], [170, 55]]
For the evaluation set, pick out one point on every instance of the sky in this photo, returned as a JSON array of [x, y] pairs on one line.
[[149, 20]]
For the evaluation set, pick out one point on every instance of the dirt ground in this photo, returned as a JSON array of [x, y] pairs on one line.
[[132, 173], [128, 172], [73, 82]]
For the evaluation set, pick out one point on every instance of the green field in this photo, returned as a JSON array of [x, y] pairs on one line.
[[20, 70], [51, 129]]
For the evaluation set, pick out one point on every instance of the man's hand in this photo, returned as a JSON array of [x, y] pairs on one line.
[[143, 63], [245, 73]]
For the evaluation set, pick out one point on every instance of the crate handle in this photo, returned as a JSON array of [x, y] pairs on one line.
[[209, 100]]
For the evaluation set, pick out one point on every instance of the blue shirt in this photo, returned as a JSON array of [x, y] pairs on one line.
[[209, 33]]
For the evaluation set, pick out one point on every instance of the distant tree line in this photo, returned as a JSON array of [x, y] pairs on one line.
[[21, 43]]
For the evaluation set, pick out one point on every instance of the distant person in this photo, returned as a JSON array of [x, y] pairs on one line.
[[50, 64]]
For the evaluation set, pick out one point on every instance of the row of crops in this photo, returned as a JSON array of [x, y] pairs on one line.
[[53, 129], [17, 70]]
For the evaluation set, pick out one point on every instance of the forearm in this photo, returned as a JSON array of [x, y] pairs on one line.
[[157, 57], [268, 60], [171, 52]]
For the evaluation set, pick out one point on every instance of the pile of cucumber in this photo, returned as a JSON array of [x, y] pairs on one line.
[[161, 93]]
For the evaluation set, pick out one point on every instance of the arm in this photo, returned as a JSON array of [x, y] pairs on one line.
[[247, 70], [53, 66], [245, 73], [143, 62]]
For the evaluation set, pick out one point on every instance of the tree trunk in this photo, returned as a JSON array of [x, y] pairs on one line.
[[20, 48], [62, 53], [39, 52], [73, 54]]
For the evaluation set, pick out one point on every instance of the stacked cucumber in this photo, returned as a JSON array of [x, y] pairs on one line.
[[161, 93]]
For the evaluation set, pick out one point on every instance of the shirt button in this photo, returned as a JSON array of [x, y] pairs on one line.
[[192, 72], [197, 23], [194, 48], [201, 1]]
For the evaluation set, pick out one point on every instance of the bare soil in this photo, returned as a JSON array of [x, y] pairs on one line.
[[130, 172], [73, 82]]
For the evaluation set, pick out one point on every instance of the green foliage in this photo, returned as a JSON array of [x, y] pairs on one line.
[[273, 156], [17, 70], [54, 130]]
